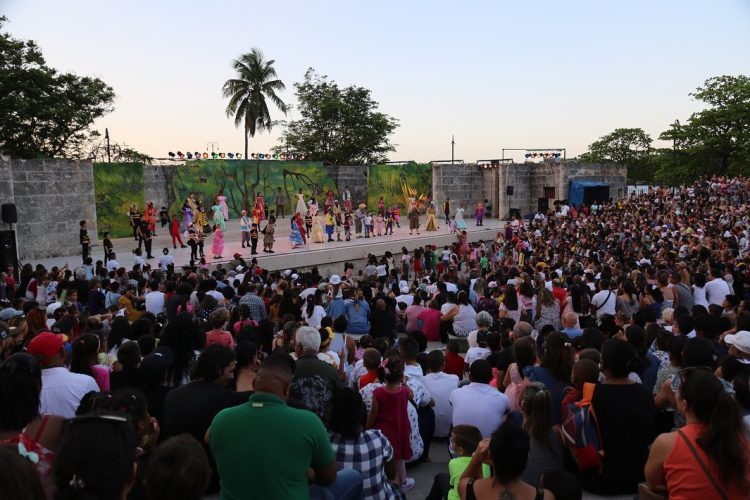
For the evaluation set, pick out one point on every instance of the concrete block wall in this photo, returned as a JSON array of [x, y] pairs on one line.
[[156, 182], [461, 182], [354, 176], [51, 197]]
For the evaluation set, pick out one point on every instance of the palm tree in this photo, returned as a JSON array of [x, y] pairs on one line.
[[256, 81]]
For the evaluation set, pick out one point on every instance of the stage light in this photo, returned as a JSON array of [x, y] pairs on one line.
[[180, 154], [253, 155], [230, 155], [527, 155], [261, 156], [171, 154], [221, 155], [190, 155], [214, 156], [205, 156], [238, 156], [197, 155]]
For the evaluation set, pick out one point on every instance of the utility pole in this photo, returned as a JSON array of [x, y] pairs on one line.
[[453, 148], [106, 136]]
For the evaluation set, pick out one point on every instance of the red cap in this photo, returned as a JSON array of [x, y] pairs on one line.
[[46, 346]]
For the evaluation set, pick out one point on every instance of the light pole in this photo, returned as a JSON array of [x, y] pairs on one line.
[[676, 125]]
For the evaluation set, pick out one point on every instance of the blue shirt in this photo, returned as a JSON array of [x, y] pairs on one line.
[[357, 317], [572, 332]]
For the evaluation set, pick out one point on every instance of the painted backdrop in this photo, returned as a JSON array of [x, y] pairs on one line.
[[397, 183], [117, 186]]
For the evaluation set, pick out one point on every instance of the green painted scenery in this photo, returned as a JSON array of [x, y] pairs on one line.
[[242, 180], [117, 187], [397, 183]]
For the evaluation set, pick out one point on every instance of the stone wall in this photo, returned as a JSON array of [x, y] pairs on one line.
[[463, 183], [354, 176], [156, 181], [51, 197]]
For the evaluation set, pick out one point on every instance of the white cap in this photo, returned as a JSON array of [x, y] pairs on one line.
[[740, 340], [52, 308], [288, 272], [335, 279], [404, 289]]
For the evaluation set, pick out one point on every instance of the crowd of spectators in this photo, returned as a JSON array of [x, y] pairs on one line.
[[244, 383]]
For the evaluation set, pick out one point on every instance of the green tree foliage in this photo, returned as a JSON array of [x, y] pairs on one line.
[[339, 125], [715, 140], [44, 113], [248, 93], [625, 146]]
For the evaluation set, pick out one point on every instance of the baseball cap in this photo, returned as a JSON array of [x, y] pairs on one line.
[[237, 255], [404, 289], [9, 313], [46, 346], [740, 340], [52, 308], [335, 279]]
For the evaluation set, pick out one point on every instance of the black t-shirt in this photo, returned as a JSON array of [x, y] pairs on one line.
[[127, 377], [314, 385], [626, 422]]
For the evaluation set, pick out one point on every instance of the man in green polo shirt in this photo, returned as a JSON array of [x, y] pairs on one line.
[[265, 449]]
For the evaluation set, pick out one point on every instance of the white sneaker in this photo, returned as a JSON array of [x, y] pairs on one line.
[[408, 484]]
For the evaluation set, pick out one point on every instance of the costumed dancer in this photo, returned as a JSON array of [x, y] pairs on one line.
[[217, 245], [347, 197], [381, 205], [379, 224], [109, 249], [174, 231], [301, 207], [432, 220], [261, 206], [413, 218], [164, 216], [459, 217], [329, 200], [245, 228], [257, 214], [313, 206], [193, 243], [254, 239], [135, 219], [308, 222], [330, 223], [218, 217], [83, 237], [389, 222], [396, 216], [187, 215], [151, 214], [201, 221], [296, 235], [348, 221], [146, 236], [222, 201], [410, 204], [338, 216], [268, 238], [359, 217], [317, 231], [479, 213]]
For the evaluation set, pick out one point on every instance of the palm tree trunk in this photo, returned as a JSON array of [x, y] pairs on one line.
[[246, 157]]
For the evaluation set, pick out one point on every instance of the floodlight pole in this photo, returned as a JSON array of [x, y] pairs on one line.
[[453, 149], [106, 136]]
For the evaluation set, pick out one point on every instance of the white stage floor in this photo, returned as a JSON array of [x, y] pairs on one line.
[[285, 256]]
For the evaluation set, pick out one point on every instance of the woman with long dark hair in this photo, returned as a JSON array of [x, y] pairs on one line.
[[709, 456], [84, 357], [179, 343], [510, 307], [554, 371], [546, 444]]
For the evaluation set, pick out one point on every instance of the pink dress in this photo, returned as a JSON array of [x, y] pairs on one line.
[[393, 420], [217, 245], [101, 375], [223, 204]]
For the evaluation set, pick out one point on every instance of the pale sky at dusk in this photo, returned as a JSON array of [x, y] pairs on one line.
[[494, 74]]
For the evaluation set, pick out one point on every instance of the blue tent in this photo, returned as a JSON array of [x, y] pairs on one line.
[[586, 191]]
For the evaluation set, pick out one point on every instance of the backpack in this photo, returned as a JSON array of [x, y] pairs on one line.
[[581, 431]]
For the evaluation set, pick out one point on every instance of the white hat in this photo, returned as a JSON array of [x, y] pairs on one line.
[[335, 279], [52, 308], [288, 272], [404, 289], [239, 268], [740, 340], [295, 276]]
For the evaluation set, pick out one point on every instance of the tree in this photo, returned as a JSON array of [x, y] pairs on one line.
[[95, 148], [715, 140], [255, 83], [339, 125], [44, 113], [625, 146]]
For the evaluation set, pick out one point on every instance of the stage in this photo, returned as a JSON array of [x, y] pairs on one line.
[[328, 256]]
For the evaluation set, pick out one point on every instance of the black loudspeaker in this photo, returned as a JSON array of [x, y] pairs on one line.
[[10, 216], [509, 190], [8, 253]]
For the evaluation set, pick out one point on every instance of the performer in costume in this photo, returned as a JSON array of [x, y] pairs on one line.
[[301, 206], [192, 202], [317, 231], [217, 245], [381, 206], [174, 231], [432, 220], [330, 223], [459, 218], [260, 205], [479, 213], [218, 218], [296, 235], [245, 228], [313, 206], [413, 218], [329, 200], [222, 202], [201, 221], [83, 237], [187, 215], [109, 248], [338, 217], [268, 235], [279, 199], [150, 217], [135, 219], [347, 197]]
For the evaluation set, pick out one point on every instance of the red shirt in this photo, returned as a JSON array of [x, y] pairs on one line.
[[454, 365], [368, 378], [430, 324], [220, 337]]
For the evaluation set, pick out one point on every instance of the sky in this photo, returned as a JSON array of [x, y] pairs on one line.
[[494, 74]]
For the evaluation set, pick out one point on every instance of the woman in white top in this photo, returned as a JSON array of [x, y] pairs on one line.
[[313, 311], [463, 315], [699, 290], [510, 308]]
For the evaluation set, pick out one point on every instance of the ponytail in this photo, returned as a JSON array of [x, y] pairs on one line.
[[724, 439], [536, 403]]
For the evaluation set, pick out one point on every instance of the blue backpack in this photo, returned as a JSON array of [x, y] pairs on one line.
[[581, 431]]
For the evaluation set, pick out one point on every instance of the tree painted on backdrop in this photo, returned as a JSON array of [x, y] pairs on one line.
[[339, 125], [44, 113], [250, 91]]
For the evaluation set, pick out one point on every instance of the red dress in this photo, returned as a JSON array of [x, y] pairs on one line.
[[393, 420]]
